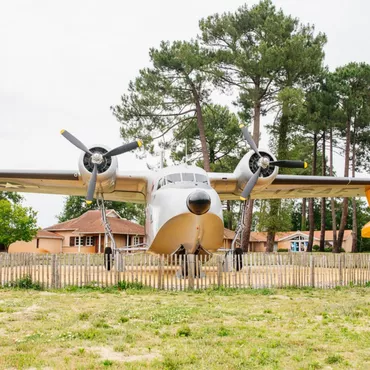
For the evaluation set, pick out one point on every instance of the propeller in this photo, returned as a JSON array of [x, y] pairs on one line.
[[263, 162], [98, 158]]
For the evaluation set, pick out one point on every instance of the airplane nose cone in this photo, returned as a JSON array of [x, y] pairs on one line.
[[198, 202]]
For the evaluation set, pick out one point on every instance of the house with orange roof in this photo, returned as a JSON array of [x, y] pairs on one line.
[[293, 241], [84, 234]]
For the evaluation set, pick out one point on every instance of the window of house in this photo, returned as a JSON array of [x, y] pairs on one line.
[[89, 240], [136, 240], [79, 241]]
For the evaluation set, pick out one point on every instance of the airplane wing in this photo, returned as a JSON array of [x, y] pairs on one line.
[[129, 186], [291, 186]]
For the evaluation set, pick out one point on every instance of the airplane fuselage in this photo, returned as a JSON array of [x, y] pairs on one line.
[[172, 221]]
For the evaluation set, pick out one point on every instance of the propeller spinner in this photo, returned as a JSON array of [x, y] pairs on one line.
[[98, 158], [263, 163]]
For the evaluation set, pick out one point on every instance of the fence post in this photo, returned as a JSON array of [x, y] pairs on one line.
[[219, 270], [312, 270], [160, 270], [54, 272], [191, 264]]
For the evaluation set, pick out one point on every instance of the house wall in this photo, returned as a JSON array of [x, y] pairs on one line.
[[227, 243], [347, 244], [258, 246], [82, 249], [285, 244], [45, 246]]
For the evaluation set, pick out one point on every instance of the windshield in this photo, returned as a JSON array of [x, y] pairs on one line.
[[183, 177], [188, 177], [175, 177], [201, 178]]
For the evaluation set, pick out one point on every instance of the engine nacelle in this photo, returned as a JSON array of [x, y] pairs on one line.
[[249, 165], [107, 170]]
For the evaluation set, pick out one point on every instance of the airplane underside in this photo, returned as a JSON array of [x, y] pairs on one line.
[[189, 232]]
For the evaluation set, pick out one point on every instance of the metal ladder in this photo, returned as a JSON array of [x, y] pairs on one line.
[[107, 229], [237, 241], [239, 229]]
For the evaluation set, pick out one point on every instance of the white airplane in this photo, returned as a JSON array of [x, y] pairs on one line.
[[183, 203]]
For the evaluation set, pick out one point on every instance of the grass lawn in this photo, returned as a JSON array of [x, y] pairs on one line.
[[215, 329]]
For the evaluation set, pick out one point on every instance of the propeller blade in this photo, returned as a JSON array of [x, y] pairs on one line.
[[250, 141], [124, 148], [75, 141], [289, 164], [250, 185], [92, 185]]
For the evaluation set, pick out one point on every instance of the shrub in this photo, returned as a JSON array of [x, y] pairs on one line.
[[316, 248], [283, 250], [334, 359], [124, 285], [184, 332], [25, 282]]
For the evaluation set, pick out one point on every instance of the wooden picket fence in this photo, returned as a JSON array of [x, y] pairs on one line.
[[252, 270]]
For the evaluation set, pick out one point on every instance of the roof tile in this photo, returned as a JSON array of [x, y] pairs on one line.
[[91, 222]]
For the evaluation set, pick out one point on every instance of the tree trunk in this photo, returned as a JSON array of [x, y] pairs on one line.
[[311, 219], [304, 215], [354, 226], [230, 220], [270, 242], [354, 205], [249, 205], [282, 152], [323, 200], [248, 214], [333, 210], [202, 135], [343, 220]]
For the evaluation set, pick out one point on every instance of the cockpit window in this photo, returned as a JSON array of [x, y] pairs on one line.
[[201, 178], [188, 177], [161, 183], [183, 177], [175, 177]]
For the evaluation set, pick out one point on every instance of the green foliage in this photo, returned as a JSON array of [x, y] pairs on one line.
[[25, 282], [75, 206], [168, 94], [13, 197], [83, 316], [334, 359], [224, 142], [282, 209], [124, 285], [107, 363], [184, 331], [16, 223]]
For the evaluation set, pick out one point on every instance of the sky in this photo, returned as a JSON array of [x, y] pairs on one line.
[[63, 64]]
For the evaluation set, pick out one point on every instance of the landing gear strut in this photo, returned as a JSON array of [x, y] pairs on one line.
[[108, 258], [110, 250]]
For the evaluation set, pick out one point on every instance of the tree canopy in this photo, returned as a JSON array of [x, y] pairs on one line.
[[273, 65], [16, 222]]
